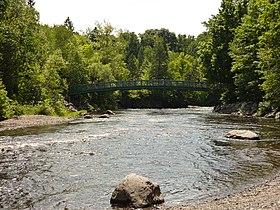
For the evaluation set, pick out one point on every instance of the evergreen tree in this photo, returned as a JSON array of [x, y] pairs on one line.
[[131, 53], [31, 3], [69, 24], [160, 60]]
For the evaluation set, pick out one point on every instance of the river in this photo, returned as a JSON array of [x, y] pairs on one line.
[[77, 165]]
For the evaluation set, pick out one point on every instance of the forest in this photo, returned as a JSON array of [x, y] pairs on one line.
[[239, 52]]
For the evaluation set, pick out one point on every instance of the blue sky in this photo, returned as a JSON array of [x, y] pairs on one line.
[[179, 16]]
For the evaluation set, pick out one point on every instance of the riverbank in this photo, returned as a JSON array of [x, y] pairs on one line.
[[246, 109], [263, 197], [31, 121]]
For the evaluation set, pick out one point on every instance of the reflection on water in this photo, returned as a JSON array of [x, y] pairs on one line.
[[184, 150]]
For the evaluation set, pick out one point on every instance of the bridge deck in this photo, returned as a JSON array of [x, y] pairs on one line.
[[139, 85]]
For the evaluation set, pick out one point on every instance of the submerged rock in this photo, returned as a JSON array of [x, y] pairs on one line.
[[137, 192], [242, 134]]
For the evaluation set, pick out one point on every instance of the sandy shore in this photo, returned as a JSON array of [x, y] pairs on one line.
[[263, 197], [31, 120]]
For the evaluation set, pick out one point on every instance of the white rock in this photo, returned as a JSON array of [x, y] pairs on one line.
[[242, 134]]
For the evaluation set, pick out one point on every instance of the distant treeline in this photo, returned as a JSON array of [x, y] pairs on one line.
[[239, 52]]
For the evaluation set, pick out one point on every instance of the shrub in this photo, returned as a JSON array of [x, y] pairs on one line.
[[6, 110]]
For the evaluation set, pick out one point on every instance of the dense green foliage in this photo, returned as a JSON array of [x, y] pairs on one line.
[[39, 63], [239, 52]]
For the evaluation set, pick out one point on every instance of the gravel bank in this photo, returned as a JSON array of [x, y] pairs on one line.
[[31, 120]]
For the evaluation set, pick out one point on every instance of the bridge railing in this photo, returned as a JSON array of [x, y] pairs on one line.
[[137, 85]]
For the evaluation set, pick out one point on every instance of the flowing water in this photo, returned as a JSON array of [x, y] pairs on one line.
[[77, 166]]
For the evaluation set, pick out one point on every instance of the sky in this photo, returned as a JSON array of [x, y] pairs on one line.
[[179, 16]]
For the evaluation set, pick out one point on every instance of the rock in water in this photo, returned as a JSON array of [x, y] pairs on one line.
[[110, 112], [88, 116], [242, 134], [137, 192], [104, 116]]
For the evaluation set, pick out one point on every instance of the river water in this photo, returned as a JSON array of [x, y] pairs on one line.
[[76, 166]]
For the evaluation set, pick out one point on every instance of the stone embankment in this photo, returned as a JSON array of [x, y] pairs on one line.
[[244, 109]]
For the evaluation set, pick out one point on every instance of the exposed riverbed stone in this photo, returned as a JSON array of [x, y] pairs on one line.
[[242, 134], [270, 115], [110, 112], [104, 116], [137, 192], [88, 116], [277, 115]]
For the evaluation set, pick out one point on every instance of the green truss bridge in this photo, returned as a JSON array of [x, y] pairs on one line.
[[139, 85]]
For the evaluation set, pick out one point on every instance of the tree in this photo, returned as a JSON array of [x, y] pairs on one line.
[[132, 45], [244, 52], [3, 7], [216, 61], [69, 50], [5, 103], [75, 71], [20, 47], [52, 69], [31, 88], [146, 54], [169, 39], [69, 24], [105, 42], [187, 44], [110, 50], [160, 60], [183, 68], [31, 3], [269, 54]]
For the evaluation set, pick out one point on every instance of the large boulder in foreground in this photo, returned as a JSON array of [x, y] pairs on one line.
[[242, 134], [137, 192]]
